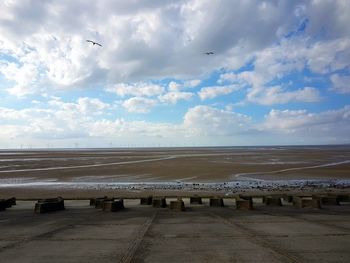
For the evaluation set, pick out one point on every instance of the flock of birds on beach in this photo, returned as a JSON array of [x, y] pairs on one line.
[[98, 44]]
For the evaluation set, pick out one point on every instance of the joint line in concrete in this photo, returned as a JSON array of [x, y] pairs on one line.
[[127, 257]]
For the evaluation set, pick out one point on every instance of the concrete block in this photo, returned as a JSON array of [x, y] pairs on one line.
[[306, 202], [288, 198], [99, 202], [196, 200], [297, 201], [159, 202], [146, 200], [343, 198], [113, 206], [244, 197], [242, 204], [11, 201], [7, 203], [177, 205], [217, 202], [93, 200], [272, 201], [49, 205], [330, 200], [48, 200], [2, 204]]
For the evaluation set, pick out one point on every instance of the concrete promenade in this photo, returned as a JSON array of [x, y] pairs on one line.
[[138, 233]]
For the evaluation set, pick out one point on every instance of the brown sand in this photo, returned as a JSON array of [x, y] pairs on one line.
[[183, 164]]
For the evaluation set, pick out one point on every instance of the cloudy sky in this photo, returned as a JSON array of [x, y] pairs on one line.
[[279, 73]]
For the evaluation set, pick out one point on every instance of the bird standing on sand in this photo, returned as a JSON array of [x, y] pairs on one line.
[[94, 43], [209, 53]]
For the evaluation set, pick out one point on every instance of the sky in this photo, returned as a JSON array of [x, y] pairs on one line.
[[279, 75]]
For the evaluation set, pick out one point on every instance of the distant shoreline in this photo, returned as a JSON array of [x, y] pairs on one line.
[[122, 148]]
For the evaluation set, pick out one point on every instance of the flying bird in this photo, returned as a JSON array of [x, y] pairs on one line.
[[94, 43], [209, 53]]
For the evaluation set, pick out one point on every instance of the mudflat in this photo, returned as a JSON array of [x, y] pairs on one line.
[[85, 172]]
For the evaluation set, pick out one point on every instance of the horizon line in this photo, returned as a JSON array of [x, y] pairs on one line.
[[173, 147]]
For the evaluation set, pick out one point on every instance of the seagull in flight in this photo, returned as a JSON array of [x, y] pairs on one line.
[[94, 43], [209, 53]]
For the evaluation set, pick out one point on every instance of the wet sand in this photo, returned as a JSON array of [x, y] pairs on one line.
[[82, 173]]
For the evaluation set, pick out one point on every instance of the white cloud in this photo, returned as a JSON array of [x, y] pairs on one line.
[[332, 123], [84, 105], [296, 54], [59, 120], [10, 114], [91, 106], [209, 121], [230, 77], [173, 97], [67, 120], [162, 39], [103, 128], [287, 120], [141, 40], [337, 13], [177, 87], [329, 56], [276, 95], [44, 123], [174, 86], [24, 76], [133, 132], [64, 123], [192, 83], [139, 104], [341, 84], [215, 91], [10, 131], [137, 89], [290, 56]]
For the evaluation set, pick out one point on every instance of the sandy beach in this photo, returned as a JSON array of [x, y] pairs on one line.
[[171, 171]]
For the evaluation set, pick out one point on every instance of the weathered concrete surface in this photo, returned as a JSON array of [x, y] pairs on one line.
[[202, 234]]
